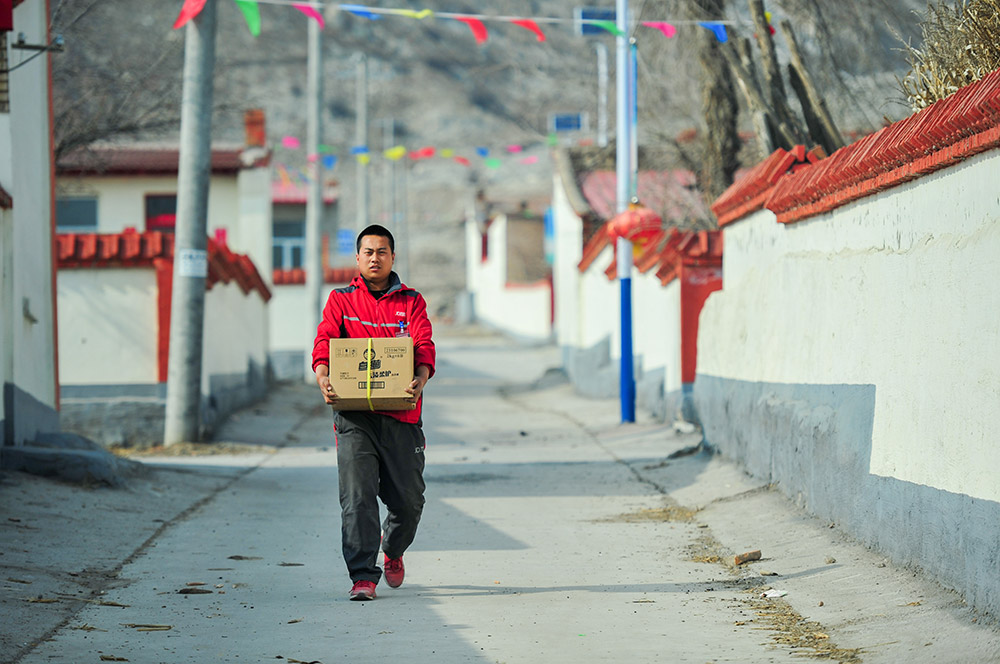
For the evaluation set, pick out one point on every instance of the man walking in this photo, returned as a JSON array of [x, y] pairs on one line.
[[380, 455]]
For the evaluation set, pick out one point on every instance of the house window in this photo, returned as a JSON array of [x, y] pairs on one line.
[[76, 215], [289, 244], [161, 212]]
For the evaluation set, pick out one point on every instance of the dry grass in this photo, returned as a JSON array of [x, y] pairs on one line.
[[675, 513], [194, 449], [788, 628], [961, 44]]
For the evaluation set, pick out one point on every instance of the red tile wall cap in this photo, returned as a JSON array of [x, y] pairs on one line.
[[593, 248], [750, 192], [943, 134], [6, 202], [689, 249], [225, 265], [650, 255], [297, 276], [77, 250], [674, 249], [132, 249]]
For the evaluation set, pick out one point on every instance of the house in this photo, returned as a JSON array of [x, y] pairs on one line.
[[28, 366], [851, 357], [115, 188], [290, 336], [508, 278]]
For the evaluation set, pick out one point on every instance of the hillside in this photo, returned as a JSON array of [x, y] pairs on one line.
[[441, 89]]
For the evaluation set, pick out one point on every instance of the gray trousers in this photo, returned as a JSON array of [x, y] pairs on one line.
[[378, 457]]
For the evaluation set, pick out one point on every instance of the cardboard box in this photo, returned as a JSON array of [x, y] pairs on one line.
[[383, 363]]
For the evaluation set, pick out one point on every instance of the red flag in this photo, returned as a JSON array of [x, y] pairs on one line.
[[462, 160], [530, 25], [190, 9], [478, 28]]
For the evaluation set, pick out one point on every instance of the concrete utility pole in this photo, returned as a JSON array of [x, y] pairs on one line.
[[187, 309], [361, 139], [314, 201], [602, 94], [623, 247], [393, 220]]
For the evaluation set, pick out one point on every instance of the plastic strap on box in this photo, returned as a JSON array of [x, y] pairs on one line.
[[369, 382]]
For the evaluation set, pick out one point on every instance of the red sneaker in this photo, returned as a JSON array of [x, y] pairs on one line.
[[362, 591], [393, 571]]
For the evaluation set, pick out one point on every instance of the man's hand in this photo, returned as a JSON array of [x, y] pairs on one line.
[[416, 386], [323, 380]]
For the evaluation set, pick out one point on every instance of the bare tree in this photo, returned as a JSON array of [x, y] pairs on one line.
[[719, 109], [104, 87]]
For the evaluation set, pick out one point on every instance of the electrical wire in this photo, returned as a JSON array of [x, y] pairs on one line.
[[27, 60]]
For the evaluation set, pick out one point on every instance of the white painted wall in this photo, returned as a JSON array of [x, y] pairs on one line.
[[656, 326], [523, 311], [253, 232], [473, 253], [565, 275], [108, 326], [288, 330], [599, 313], [235, 332], [898, 290], [27, 333], [111, 328]]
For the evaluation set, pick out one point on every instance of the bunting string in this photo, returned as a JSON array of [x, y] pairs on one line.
[[364, 155], [476, 22]]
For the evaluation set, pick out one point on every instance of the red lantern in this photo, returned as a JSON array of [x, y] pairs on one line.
[[638, 224]]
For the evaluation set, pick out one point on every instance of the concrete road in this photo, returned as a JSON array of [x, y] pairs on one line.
[[551, 533]]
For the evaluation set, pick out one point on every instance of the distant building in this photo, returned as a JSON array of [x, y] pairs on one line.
[[113, 188]]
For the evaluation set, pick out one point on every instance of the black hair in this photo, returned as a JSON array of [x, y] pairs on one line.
[[380, 231]]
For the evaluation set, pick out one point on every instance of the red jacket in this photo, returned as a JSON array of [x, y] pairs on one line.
[[353, 312]]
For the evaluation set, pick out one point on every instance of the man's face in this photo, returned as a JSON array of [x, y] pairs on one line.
[[375, 258]]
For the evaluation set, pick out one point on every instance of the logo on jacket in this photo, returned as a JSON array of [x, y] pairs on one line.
[[401, 314]]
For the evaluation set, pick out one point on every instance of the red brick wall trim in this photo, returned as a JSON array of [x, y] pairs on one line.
[[943, 134], [130, 249], [673, 250], [751, 192], [297, 276]]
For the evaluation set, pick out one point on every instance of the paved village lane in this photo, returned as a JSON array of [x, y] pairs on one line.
[[551, 533]]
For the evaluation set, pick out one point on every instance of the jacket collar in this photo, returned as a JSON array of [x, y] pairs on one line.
[[394, 283]]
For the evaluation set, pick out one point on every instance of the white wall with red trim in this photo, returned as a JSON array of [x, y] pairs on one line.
[[523, 311], [27, 308], [674, 271], [898, 290], [852, 356]]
